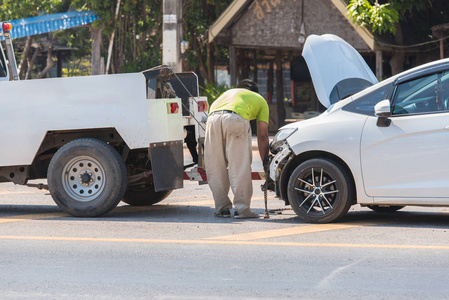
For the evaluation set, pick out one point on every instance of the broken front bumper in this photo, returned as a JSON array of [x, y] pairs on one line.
[[277, 166]]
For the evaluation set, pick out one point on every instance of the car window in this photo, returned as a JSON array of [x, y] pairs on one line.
[[445, 89], [365, 104], [423, 95]]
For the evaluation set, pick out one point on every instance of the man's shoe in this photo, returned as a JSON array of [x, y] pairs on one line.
[[224, 214]]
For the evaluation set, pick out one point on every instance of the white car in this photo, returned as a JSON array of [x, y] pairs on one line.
[[383, 145]]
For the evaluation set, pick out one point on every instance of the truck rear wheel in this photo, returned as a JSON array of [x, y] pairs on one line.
[[143, 195], [87, 178]]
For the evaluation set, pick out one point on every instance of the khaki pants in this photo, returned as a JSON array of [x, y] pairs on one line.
[[228, 157]]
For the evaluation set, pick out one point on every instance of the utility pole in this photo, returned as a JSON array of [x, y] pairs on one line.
[[96, 68], [172, 34]]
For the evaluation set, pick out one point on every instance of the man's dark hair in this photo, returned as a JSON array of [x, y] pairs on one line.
[[249, 85]]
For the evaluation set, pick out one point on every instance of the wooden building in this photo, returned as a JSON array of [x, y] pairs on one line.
[[269, 35]]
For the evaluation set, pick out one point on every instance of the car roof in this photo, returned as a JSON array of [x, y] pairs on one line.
[[423, 70]]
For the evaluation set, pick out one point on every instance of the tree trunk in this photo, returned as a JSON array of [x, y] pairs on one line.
[[142, 34], [50, 63], [398, 58], [26, 52], [32, 62], [199, 53], [96, 51], [117, 60], [210, 66], [111, 41]]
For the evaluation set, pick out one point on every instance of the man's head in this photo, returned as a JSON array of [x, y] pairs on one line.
[[249, 85]]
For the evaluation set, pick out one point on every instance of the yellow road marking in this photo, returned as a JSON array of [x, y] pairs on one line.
[[20, 218], [209, 242], [119, 209], [251, 236], [6, 192]]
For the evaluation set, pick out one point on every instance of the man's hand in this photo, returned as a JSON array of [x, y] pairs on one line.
[[269, 183], [266, 163], [262, 139]]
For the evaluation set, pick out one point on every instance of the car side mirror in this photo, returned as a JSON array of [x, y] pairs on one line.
[[382, 111]]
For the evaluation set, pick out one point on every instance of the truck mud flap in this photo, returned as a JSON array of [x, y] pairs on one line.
[[167, 161]]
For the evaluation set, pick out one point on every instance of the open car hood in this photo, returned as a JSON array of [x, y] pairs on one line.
[[336, 68]]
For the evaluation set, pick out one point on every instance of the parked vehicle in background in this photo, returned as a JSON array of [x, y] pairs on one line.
[[382, 145]]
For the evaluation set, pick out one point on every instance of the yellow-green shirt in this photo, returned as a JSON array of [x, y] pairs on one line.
[[246, 103]]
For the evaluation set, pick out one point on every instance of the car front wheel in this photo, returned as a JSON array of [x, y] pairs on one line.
[[320, 191]]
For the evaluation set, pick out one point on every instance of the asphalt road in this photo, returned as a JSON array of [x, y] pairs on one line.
[[179, 250]]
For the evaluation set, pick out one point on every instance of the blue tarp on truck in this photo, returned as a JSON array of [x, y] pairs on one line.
[[50, 23]]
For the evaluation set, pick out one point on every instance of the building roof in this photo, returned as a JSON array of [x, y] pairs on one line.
[[231, 13], [238, 9]]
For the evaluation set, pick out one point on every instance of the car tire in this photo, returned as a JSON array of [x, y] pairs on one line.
[[87, 178], [144, 195], [320, 191], [385, 209]]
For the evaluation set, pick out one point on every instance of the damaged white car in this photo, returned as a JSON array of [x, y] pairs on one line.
[[382, 145]]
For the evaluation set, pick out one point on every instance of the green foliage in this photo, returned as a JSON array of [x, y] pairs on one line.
[[379, 17], [410, 5], [138, 30], [383, 17], [198, 16], [18, 9], [144, 61], [105, 9], [77, 67], [76, 38], [213, 91]]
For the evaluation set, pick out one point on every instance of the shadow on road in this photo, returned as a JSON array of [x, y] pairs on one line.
[[179, 213]]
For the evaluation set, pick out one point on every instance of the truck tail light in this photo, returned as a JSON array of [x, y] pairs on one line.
[[202, 106], [173, 108], [6, 27]]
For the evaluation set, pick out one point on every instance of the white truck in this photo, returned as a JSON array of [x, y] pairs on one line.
[[97, 139]]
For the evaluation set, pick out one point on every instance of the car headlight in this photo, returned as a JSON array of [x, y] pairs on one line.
[[279, 139]]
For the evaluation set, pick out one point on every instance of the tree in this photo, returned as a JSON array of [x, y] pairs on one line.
[[138, 33], [379, 17], [17, 9], [198, 16], [403, 22]]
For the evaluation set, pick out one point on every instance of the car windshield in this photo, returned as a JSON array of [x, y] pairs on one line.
[[365, 103]]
